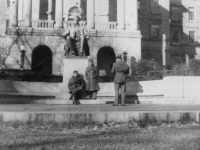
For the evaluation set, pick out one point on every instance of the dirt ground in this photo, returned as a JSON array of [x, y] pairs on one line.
[[108, 136]]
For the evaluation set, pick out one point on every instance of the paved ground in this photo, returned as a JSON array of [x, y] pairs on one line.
[[96, 108]]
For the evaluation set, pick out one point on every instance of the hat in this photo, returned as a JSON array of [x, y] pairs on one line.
[[119, 56]]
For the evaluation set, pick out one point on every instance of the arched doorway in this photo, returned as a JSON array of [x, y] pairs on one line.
[[105, 59], [42, 60]]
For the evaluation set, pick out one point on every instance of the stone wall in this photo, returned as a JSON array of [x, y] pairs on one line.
[[54, 42]]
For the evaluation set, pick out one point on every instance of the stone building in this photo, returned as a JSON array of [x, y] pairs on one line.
[[38, 25], [170, 30], [166, 30]]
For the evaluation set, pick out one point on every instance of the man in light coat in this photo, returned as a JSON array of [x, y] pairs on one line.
[[120, 69]]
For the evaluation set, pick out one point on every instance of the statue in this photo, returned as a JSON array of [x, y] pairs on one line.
[[76, 37]]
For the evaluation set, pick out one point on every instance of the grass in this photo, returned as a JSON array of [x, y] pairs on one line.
[[107, 136]]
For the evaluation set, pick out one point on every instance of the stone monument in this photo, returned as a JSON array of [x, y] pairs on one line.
[[76, 37], [76, 50]]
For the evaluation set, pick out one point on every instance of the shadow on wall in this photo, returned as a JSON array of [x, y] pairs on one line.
[[12, 59], [181, 46]]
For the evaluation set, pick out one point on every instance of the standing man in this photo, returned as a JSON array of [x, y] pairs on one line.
[[91, 75], [75, 86], [121, 69]]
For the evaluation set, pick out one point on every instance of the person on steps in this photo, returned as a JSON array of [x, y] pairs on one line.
[[91, 75], [75, 86]]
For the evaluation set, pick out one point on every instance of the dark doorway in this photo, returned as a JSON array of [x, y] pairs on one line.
[[105, 59], [42, 60]]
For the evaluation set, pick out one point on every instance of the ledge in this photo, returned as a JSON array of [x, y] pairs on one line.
[[14, 75], [58, 32]]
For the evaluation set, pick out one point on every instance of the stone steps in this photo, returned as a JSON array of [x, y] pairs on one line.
[[26, 98]]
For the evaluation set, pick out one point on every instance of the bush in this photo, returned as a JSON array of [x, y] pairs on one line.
[[145, 70], [193, 69]]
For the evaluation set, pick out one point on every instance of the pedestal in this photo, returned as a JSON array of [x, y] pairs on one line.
[[71, 64]]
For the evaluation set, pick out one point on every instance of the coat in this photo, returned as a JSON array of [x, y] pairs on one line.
[[75, 84], [121, 69], [91, 75]]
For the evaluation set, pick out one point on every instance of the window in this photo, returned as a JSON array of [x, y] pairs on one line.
[[155, 8], [139, 27], [175, 37], [155, 31], [191, 37], [139, 7], [191, 13], [175, 15], [8, 3]]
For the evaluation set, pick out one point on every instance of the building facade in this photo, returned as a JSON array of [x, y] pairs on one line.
[[166, 30], [170, 30], [38, 25]]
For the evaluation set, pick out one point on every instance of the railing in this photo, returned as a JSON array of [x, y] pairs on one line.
[[106, 26], [43, 24], [20, 23], [68, 24], [128, 26], [46, 24]]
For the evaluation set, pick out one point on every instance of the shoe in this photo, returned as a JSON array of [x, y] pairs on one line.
[[123, 105], [115, 105]]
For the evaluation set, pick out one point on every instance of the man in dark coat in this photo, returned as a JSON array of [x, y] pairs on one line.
[[91, 75], [75, 86], [121, 69]]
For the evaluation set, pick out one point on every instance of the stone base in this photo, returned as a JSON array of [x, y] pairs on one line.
[[71, 64]]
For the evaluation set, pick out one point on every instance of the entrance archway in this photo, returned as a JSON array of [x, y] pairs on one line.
[[105, 59], [42, 60]]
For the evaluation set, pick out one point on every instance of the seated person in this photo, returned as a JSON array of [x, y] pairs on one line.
[[75, 86]]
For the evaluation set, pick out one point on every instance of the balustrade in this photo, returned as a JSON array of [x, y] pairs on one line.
[[71, 23], [106, 26], [46, 24], [20, 23], [43, 24]]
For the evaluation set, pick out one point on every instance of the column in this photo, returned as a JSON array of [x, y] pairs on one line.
[[164, 46], [121, 14], [49, 10], [35, 9], [27, 13], [59, 14], [187, 59], [90, 14], [134, 23], [13, 13]]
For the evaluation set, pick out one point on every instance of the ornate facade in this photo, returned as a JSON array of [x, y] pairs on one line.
[[166, 30], [113, 27]]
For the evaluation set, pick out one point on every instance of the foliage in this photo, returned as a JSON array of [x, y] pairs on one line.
[[191, 69], [147, 70]]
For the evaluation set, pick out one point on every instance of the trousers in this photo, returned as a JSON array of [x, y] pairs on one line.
[[121, 87], [76, 96]]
